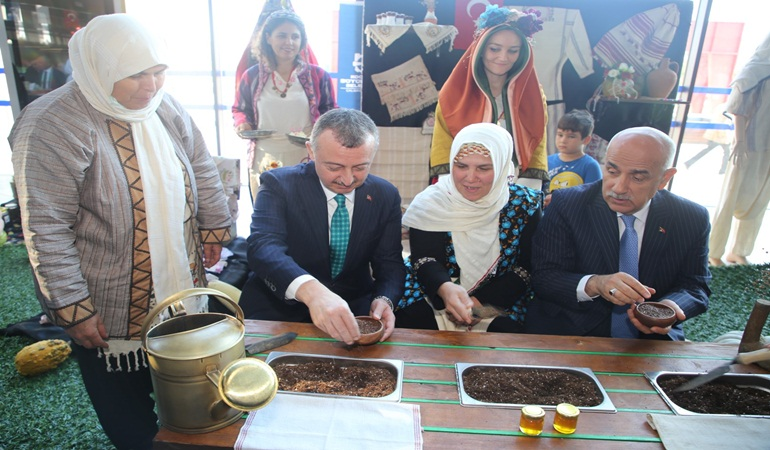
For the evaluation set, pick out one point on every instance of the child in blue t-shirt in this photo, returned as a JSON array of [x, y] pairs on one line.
[[571, 166]]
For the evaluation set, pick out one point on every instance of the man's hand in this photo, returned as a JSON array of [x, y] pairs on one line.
[[380, 310], [658, 330], [89, 334], [329, 312], [618, 288], [211, 254], [457, 302]]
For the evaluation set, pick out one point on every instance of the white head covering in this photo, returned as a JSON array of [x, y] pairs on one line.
[[474, 224], [109, 49], [756, 69]]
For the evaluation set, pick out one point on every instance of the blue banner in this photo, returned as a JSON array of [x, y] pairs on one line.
[[350, 59]]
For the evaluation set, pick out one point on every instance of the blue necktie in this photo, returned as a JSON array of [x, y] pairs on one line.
[[628, 263], [339, 234]]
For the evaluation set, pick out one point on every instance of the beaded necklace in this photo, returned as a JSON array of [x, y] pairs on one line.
[[283, 91]]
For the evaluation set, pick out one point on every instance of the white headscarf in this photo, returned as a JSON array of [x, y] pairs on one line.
[[109, 49], [474, 224]]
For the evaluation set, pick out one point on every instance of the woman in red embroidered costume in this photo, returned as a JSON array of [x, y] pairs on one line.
[[282, 93], [495, 81]]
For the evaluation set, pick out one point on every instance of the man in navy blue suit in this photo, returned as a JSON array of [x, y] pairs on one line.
[[290, 255], [576, 250]]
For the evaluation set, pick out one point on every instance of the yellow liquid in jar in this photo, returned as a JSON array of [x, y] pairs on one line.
[[532, 420], [566, 418]]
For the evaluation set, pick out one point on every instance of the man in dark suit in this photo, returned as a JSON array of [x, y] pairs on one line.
[[579, 286], [291, 247]]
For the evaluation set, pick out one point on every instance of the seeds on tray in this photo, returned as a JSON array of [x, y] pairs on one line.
[[716, 397], [527, 386], [326, 377]]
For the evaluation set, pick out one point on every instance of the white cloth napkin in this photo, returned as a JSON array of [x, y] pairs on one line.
[[384, 35], [711, 432], [434, 36], [406, 88], [307, 422]]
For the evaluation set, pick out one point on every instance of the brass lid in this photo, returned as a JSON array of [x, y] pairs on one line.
[[248, 384]]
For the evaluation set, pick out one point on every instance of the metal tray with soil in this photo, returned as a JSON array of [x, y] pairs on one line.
[[323, 375], [513, 386], [732, 394]]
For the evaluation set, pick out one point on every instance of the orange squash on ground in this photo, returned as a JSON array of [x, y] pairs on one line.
[[41, 356]]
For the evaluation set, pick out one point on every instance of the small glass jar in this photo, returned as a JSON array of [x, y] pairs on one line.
[[566, 418], [532, 420]]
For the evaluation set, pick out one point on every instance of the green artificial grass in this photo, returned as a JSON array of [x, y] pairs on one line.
[[48, 411], [734, 289], [52, 410]]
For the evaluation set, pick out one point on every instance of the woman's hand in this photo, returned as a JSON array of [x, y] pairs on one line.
[[245, 126], [458, 302], [211, 254], [89, 333]]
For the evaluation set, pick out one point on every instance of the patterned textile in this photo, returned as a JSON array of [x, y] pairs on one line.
[[339, 234], [384, 35], [563, 38], [640, 41], [90, 266], [433, 36], [513, 218], [406, 89], [314, 80]]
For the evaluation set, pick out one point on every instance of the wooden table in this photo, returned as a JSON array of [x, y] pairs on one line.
[[430, 381]]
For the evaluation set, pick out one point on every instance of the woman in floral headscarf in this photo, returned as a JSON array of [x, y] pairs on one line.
[[495, 82], [470, 236]]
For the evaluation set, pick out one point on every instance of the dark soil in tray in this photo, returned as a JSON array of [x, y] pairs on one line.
[[530, 386], [326, 377], [716, 397]]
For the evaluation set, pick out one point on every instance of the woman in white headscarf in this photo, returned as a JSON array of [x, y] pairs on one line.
[[746, 188], [122, 206], [469, 237]]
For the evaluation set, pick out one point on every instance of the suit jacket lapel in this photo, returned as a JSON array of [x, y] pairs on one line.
[[604, 221], [362, 215], [654, 239], [314, 204]]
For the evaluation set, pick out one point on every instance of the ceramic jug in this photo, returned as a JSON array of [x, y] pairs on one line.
[[661, 81]]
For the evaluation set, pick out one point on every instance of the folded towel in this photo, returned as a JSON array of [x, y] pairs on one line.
[[711, 432], [302, 421]]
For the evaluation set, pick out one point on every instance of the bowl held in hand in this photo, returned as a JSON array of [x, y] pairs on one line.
[[654, 314]]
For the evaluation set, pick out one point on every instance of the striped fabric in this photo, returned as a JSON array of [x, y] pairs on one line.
[[640, 41]]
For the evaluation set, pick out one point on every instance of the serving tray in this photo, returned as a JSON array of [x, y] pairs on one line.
[[747, 380], [605, 406], [394, 366]]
